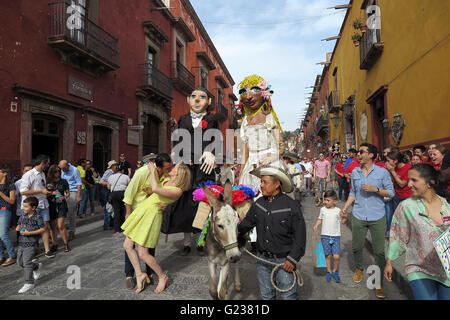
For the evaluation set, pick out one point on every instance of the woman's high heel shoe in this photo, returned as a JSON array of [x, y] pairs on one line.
[[140, 280], [161, 289]]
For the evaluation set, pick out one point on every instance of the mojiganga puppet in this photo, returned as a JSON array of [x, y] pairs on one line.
[[260, 129], [260, 132], [178, 217]]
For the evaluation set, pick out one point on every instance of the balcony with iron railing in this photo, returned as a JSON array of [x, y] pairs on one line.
[[155, 82], [213, 100], [370, 48], [182, 78], [333, 101], [81, 40], [322, 125]]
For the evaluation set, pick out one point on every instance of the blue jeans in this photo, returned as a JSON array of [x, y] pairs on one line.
[[5, 219], [91, 195], [83, 202], [395, 202], [45, 214], [283, 280], [389, 213], [427, 289], [106, 219], [104, 193], [346, 188], [341, 184]]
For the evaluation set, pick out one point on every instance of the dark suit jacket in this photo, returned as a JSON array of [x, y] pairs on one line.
[[179, 215], [185, 122]]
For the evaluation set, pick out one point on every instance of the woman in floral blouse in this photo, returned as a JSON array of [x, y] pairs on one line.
[[417, 222]]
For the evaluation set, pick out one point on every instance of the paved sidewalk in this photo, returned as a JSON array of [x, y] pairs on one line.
[[100, 257]]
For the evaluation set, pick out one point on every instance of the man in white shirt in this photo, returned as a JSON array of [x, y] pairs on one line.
[[34, 184], [307, 174]]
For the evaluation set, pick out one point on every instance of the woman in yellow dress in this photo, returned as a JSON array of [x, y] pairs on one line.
[[143, 226]]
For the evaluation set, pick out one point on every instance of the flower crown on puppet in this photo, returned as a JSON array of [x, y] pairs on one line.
[[266, 92]]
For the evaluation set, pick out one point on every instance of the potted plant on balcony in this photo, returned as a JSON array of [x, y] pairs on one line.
[[356, 37], [357, 24], [363, 28]]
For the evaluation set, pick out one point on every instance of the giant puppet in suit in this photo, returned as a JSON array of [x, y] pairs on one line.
[[178, 217]]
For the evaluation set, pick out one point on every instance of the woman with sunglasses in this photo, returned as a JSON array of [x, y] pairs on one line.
[[59, 192], [339, 169], [7, 199]]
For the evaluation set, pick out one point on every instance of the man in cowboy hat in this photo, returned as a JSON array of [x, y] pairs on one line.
[[149, 157], [281, 231], [294, 172]]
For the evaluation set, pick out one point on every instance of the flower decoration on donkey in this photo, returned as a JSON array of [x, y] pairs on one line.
[[241, 193]]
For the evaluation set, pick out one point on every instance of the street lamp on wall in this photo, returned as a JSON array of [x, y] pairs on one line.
[[396, 128], [336, 120], [144, 118]]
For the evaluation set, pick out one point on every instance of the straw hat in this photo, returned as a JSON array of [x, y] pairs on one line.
[[291, 156], [111, 163], [287, 186], [149, 157]]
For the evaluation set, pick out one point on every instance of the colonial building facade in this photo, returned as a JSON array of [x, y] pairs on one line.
[[388, 76], [92, 79]]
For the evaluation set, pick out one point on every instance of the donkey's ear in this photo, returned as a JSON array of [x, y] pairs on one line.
[[213, 201], [228, 193]]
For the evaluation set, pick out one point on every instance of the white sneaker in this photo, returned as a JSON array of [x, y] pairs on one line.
[[26, 287], [37, 272]]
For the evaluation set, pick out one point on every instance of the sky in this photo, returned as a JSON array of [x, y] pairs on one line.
[[279, 40]]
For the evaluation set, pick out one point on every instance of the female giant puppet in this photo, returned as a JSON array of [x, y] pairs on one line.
[[260, 131]]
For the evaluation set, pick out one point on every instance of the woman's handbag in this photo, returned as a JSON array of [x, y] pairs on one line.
[[110, 194]]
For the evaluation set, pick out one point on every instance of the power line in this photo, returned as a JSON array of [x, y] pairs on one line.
[[272, 23]]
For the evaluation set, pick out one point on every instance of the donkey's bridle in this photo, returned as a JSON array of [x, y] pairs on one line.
[[227, 247]]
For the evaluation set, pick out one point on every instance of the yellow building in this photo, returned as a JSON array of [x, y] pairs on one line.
[[393, 88]]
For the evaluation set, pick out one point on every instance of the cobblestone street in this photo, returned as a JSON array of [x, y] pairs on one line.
[[100, 257]]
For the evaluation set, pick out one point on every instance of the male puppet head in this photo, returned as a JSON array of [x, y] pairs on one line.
[[198, 100]]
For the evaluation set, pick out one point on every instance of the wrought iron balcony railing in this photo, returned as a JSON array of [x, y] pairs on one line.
[[322, 124], [154, 80], [333, 101], [82, 35], [370, 48], [182, 78]]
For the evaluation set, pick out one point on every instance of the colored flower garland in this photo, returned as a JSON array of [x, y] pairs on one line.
[[240, 192]]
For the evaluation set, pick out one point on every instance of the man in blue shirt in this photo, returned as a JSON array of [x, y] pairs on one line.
[[352, 153], [370, 183], [72, 175]]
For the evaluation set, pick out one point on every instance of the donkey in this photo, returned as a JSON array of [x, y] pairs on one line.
[[221, 244]]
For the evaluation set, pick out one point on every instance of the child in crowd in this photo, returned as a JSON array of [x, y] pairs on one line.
[[30, 225], [330, 217]]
